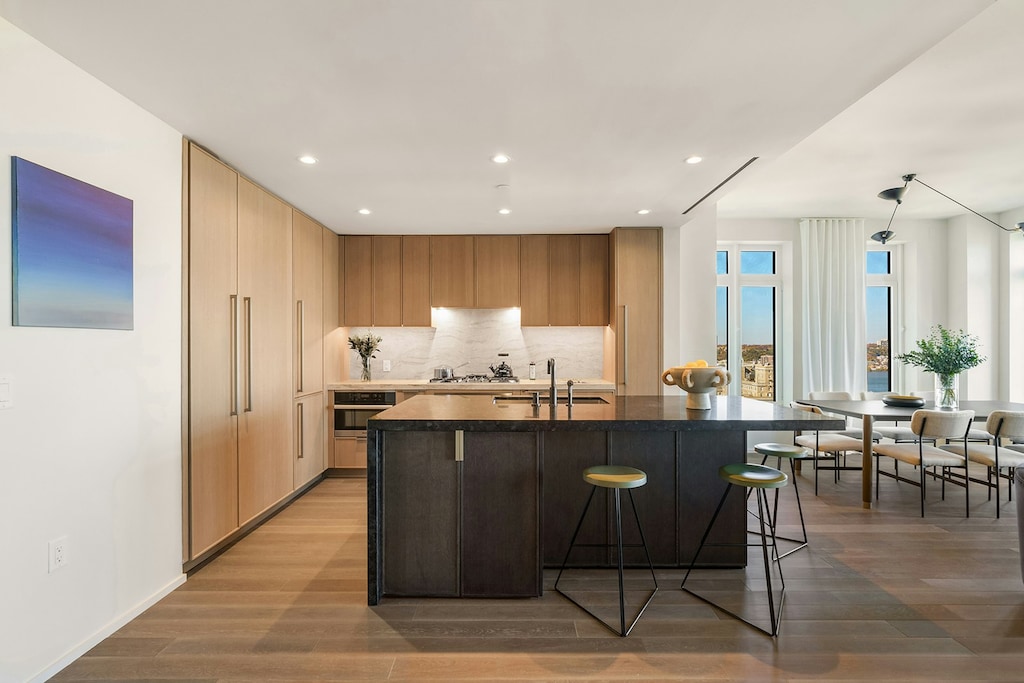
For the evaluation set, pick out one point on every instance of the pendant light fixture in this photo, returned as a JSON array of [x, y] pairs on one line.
[[895, 194]]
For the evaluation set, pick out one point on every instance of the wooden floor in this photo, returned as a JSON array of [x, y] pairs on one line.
[[880, 595]]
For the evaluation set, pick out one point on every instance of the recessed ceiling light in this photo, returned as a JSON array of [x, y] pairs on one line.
[[643, 212], [500, 158], [308, 159], [504, 212], [694, 159], [365, 212]]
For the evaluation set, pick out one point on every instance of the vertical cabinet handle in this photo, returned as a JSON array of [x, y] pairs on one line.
[[460, 445], [234, 354], [623, 369], [300, 428], [300, 337], [248, 353]]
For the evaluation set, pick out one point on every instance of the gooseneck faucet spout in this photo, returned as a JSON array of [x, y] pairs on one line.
[[554, 389]]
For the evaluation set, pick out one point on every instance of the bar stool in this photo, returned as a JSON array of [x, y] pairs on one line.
[[759, 478], [615, 478], [791, 452]]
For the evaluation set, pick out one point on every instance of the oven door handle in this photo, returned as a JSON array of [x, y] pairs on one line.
[[383, 407]]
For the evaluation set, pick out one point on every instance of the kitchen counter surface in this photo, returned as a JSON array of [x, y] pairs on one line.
[[657, 413], [412, 385]]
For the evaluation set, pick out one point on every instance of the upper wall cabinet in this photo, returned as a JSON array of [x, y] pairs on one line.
[[497, 271], [386, 280], [564, 280], [452, 271]]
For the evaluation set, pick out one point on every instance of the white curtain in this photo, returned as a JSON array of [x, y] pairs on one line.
[[834, 309]]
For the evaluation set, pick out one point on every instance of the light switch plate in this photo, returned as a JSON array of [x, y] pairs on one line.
[[6, 397]]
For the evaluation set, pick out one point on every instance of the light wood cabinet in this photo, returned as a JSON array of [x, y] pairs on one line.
[[386, 280], [358, 276], [264, 285], [350, 451], [497, 271], [636, 319], [310, 432], [533, 280], [416, 280], [594, 280], [452, 271], [308, 303], [212, 318], [564, 279]]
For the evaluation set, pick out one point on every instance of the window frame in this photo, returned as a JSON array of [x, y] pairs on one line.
[[894, 281]]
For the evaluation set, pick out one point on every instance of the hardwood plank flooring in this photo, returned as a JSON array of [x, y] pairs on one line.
[[879, 595]]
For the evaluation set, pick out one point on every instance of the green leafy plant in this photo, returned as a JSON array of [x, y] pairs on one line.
[[366, 345], [944, 352]]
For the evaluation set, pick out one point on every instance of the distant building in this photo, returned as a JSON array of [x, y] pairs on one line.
[[759, 378]]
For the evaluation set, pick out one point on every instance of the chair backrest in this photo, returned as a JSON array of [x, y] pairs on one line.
[[830, 395], [941, 424], [805, 407], [875, 395], [1007, 423]]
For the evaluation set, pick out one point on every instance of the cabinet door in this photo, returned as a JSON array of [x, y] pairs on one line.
[[594, 280], [533, 280], [308, 294], [421, 514], [566, 455], [386, 290], [637, 315], [310, 432], [416, 281], [350, 452], [501, 515], [358, 274], [497, 271], [264, 283], [564, 265], [213, 310], [452, 272]]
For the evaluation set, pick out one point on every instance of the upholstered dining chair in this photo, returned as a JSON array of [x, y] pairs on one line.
[[826, 446], [928, 425], [1001, 424]]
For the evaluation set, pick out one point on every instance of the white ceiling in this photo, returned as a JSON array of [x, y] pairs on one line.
[[598, 102]]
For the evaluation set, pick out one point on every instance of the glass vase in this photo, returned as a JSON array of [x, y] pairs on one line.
[[366, 370], [947, 391]]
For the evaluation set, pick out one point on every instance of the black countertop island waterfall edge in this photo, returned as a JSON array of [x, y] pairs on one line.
[[481, 492]]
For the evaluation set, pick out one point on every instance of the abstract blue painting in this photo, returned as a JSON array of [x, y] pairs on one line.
[[72, 251]]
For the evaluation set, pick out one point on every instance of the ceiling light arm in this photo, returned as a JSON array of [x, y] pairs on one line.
[[911, 176]]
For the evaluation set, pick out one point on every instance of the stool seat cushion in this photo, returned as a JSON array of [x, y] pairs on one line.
[[782, 450], [615, 476], [752, 476]]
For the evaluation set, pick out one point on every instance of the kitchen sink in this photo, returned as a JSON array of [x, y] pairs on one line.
[[562, 400]]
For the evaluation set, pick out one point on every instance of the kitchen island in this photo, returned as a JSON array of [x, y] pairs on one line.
[[469, 496]]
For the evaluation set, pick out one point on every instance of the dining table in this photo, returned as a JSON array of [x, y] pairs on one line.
[[871, 411]]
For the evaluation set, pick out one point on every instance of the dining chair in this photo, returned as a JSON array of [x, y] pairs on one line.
[[1001, 424], [826, 445], [928, 425]]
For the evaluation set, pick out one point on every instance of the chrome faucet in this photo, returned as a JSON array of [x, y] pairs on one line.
[[553, 398], [568, 387]]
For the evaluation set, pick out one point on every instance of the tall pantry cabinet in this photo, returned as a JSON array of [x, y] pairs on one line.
[[308, 357], [238, 313], [635, 313]]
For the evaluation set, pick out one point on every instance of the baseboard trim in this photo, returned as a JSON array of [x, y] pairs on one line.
[[106, 631]]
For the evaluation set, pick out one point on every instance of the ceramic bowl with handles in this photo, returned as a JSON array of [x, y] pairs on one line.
[[698, 383]]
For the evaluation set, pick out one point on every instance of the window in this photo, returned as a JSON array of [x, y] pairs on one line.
[[747, 303], [880, 280]]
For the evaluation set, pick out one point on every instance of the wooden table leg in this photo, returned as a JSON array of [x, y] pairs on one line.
[[866, 463]]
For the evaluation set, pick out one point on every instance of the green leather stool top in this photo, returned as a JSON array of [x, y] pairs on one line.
[[753, 476], [782, 450], [615, 477]]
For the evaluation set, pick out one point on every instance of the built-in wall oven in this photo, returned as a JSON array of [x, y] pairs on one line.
[[351, 411]]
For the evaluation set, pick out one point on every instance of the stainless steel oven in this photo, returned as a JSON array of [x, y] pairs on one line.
[[353, 408]]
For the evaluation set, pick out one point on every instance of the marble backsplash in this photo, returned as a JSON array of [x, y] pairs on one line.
[[469, 340]]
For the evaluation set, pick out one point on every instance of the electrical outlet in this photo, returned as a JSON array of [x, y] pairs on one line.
[[58, 553], [387, 366]]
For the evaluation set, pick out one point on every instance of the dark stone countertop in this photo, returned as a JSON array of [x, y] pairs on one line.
[[622, 413]]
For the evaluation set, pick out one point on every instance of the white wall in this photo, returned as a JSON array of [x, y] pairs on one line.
[[688, 300], [91, 449]]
